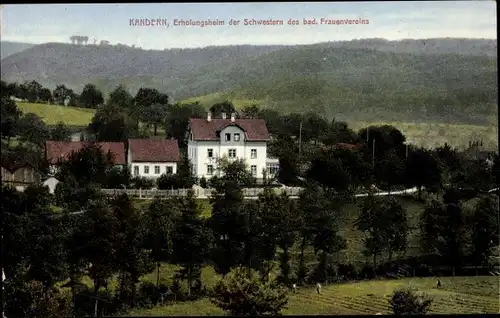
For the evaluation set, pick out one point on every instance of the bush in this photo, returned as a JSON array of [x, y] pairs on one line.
[[167, 182], [150, 295], [241, 294], [407, 302], [142, 183], [203, 182], [348, 271]]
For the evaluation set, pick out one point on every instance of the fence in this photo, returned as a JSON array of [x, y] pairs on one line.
[[199, 193]]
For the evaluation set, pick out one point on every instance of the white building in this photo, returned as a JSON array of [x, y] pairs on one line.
[[210, 139], [150, 158]]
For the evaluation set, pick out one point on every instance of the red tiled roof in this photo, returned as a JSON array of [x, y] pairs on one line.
[[154, 150], [348, 146], [255, 129], [56, 150]]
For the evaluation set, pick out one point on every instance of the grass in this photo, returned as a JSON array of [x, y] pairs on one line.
[[431, 135], [52, 114], [458, 295]]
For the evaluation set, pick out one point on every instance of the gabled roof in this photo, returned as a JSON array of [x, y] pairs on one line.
[[202, 129], [154, 150], [13, 165], [56, 150]]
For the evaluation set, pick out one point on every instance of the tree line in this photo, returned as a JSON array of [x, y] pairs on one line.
[[305, 144], [114, 240]]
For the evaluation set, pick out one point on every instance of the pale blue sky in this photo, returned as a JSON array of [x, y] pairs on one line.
[[390, 20]]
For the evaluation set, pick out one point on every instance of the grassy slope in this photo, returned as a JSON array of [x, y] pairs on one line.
[[52, 114], [458, 295]]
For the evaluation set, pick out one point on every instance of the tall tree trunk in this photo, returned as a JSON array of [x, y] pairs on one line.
[[189, 279], [419, 195], [134, 280], [96, 300], [302, 247], [285, 265], [158, 274], [155, 127]]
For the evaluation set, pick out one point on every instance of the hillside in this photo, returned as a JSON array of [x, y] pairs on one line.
[[53, 114], [414, 80], [8, 48]]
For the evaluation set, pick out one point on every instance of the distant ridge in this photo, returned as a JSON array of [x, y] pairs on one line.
[[427, 78]]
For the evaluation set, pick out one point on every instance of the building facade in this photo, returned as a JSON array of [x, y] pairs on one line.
[[150, 158], [55, 151], [211, 139], [19, 173]]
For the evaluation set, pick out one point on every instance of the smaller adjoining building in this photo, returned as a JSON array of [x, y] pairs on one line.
[[55, 151], [150, 158]]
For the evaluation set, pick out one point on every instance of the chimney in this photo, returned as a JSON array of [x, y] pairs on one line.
[[233, 117], [223, 115], [209, 116]]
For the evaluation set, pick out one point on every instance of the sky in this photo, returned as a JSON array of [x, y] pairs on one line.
[[41, 23]]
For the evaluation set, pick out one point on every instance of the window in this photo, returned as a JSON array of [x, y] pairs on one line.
[[170, 170], [146, 169], [157, 169], [228, 137], [210, 170], [232, 153], [253, 153], [136, 171], [253, 169], [273, 168], [237, 137], [210, 153]]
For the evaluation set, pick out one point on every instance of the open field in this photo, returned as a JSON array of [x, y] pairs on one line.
[[52, 114], [458, 295], [431, 135]]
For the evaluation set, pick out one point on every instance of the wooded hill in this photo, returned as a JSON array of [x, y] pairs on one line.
[[435, 79]]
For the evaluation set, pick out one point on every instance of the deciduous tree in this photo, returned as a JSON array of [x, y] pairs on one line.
[[91, 97]]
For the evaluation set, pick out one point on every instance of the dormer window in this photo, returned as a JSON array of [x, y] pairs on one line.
[[237, 137], [228, 137]]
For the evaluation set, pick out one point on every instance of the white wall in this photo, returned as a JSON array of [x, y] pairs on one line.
[[198, 152], [162, 165]]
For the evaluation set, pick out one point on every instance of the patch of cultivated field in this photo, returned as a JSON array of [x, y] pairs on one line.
[[431, 135], [52, 114], [458, 295]]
